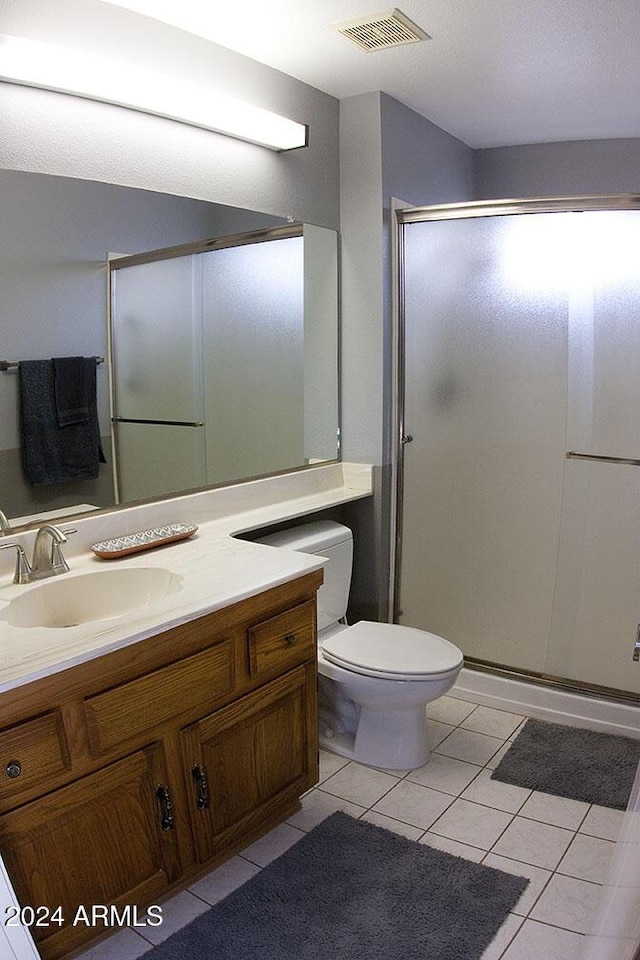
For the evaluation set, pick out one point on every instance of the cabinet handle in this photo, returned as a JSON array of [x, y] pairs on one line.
[[202, 787], [166, 807], [290, 640], [13, 769]]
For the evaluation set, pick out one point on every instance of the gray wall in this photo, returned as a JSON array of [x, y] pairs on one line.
[[421, 163], [563, 169], [362, 271]]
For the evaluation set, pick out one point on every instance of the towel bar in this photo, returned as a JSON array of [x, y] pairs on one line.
[[5, 364]]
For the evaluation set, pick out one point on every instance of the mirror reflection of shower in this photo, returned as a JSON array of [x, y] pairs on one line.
[[224, 360]]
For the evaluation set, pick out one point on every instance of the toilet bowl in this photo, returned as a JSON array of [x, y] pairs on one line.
[[375, 679]]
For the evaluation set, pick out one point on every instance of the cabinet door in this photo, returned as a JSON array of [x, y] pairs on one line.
[[106, 839], [250, 761]]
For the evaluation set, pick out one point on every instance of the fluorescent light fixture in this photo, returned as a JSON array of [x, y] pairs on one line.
[[65, 70]]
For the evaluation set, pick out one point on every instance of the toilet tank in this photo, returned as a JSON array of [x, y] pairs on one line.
[[333, 541]]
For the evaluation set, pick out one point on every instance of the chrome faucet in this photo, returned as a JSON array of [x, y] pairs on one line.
[[5, 526], [48, 560]]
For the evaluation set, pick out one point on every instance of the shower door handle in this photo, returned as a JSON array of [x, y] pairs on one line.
[[629, 461], [161, 423]]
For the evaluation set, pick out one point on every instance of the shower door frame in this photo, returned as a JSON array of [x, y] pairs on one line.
[[461, 211]]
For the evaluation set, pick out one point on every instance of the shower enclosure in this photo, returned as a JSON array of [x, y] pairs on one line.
[[519, 487]]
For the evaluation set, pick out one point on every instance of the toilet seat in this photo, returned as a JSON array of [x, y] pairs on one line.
[[391, 651]]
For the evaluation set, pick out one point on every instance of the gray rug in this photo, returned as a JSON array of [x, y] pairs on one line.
[[572, 762], [349, 890]]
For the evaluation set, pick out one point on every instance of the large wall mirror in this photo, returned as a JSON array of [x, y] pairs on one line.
[[220, 317]]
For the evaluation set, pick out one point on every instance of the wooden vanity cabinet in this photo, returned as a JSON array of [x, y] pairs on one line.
[[272, 730], [123, 778]]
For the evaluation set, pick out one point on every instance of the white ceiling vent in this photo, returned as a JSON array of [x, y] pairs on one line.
[[377, 31]]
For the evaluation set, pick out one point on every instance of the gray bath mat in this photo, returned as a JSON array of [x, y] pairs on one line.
[[572, 762], [349, 890]]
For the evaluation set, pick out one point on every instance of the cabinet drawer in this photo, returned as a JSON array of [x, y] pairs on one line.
[[131, 709], [31, 753], [283, 641]]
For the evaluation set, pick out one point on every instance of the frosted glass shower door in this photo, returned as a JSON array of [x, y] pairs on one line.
[[253, 309], [597, 605], [485, 404], [520, 346], [157, 377]]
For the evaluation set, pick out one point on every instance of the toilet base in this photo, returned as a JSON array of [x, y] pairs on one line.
[[378, 722], [391, 739], [395, 739], [342, 744]]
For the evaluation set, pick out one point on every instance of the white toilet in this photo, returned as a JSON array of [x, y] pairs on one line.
[[375, 679]]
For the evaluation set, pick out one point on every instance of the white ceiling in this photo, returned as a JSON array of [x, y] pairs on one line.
[[495, 72]]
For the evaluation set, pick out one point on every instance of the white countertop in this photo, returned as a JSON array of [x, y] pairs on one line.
[[216, 569], [216, 572]]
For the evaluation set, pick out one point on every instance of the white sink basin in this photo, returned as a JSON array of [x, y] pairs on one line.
[[67, 600]]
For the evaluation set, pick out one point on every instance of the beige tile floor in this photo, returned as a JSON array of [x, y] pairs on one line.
[[563, 846]]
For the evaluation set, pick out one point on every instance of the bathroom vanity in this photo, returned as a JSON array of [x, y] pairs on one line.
[[124, 776], [140, 750]]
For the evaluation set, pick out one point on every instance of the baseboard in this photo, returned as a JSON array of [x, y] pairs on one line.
[[547, 703]]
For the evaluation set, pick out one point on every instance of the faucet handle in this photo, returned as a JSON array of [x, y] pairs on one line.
[[58, 560], [23, 567]]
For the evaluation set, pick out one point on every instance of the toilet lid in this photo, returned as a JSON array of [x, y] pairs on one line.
[[392, 651]]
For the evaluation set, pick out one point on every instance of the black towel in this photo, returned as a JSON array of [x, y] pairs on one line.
[[70, 384], [51, 453]]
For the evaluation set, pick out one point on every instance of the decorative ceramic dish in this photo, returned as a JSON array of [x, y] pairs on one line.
[[144, 540]]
